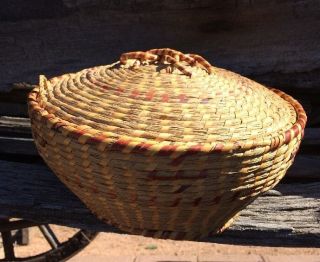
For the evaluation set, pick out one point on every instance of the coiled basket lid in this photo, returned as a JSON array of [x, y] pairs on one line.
[[162, 143]]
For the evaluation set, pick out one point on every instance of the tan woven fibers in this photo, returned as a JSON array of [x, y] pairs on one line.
[[169, 147]]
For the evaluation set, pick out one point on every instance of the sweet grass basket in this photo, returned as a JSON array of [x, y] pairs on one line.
[[162, 143]]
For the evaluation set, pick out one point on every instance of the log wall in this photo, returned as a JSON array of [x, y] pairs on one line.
[[276, 42]]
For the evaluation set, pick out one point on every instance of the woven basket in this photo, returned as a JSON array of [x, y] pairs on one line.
[[164, 144]]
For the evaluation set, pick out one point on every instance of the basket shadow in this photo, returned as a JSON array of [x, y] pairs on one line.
[[270, 239]]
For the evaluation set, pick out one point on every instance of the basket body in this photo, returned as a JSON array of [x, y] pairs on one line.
[[162, 193]]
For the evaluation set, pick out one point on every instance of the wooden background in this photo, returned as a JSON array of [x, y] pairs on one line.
[[273, 41], [276, 42]]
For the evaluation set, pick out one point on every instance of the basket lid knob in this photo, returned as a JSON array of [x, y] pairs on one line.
[[175, 58]]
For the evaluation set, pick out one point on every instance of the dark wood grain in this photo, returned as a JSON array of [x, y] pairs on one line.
[[15, 126], [304, 168], [275, 42]]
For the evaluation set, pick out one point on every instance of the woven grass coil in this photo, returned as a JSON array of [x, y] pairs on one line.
[[163, 144]]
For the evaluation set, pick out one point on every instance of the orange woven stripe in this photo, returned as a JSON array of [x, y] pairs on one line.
[[296, 130], [165, 98], [218, 147], [76, 133], [167, 150], [120, 144], [96, 139], [141, 148], [287, 137]]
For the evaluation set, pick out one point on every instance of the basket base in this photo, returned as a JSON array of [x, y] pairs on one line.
[[173, 235]]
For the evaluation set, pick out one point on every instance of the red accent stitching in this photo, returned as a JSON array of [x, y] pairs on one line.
[[183, 98], [193, 150], [120, 89], [165, 98], [120, 144], [141, 148], [295, 129], [96, 139], [287, 137], [167, 150], [218, 147], [135, 93], [76, 134], [150, 95]]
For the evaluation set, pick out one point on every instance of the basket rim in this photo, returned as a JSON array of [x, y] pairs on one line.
[[127, 144]]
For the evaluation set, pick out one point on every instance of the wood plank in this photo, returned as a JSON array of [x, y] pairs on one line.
[[304, 168], [290, 213], [13, 109], [17, 93], [15, 126], [17, 145], [228, 33], [311, 137]]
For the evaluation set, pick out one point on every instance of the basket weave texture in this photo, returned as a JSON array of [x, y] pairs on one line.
[[164, 144]]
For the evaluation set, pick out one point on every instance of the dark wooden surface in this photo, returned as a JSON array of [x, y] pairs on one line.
[[275, 42]]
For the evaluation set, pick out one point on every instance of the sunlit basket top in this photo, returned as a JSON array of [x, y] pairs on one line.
[[165, 100]]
